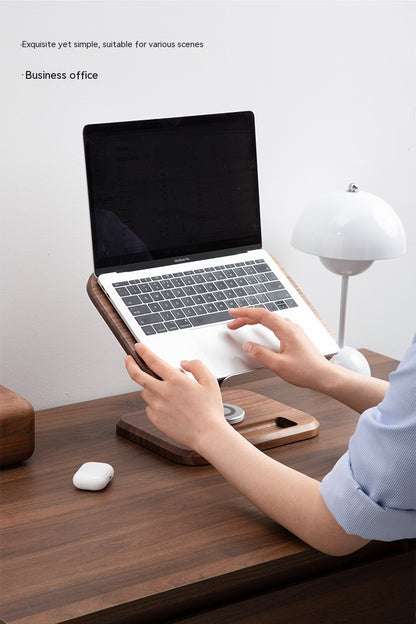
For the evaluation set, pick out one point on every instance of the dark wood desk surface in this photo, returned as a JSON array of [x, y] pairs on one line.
[[167, 541]]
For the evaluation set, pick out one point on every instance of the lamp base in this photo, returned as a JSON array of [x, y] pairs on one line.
[[351, 358]]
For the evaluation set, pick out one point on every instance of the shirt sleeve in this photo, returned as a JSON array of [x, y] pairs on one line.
[[371, 491]]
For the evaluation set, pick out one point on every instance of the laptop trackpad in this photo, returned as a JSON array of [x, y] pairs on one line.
[[218, 347]]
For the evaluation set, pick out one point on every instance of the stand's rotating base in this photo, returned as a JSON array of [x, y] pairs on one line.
[[267, 423], [233, 414]]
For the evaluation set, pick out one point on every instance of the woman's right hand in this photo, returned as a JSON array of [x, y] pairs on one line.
[[298, 362]]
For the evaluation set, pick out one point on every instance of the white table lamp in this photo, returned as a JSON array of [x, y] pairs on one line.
[[348, 231]]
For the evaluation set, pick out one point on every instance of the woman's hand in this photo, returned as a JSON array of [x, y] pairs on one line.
[[298, 361], [183, 408], [301, 364]]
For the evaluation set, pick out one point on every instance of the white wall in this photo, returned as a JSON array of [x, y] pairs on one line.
[[333, 87]]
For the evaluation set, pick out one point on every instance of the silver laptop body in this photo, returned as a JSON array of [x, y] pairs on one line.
[[176, 233]]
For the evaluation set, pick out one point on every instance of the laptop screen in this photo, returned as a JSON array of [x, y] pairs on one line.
[[168, 189]]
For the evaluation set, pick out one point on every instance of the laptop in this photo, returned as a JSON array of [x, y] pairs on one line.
[[176, 236]]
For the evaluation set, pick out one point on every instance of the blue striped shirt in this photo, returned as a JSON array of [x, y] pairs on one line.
[[371, 491]]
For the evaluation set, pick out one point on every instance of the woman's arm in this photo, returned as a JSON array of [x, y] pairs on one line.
[[192, 414], [285, 495]]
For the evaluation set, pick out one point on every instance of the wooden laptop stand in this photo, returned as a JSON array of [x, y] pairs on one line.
[[267, 423]]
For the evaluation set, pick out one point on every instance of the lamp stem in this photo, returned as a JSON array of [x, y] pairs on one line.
[[342, 311]]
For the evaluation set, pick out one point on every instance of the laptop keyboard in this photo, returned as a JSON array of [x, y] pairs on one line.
[[202, 296]]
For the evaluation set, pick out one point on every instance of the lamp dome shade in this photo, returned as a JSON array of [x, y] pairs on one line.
[[350, 225]]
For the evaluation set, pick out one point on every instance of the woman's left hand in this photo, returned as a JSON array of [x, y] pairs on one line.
[[183, 408]]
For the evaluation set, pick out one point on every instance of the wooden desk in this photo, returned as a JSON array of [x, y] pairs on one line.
[[167, 541]]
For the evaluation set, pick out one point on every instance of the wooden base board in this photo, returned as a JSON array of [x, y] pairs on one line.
[[267, 424]]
